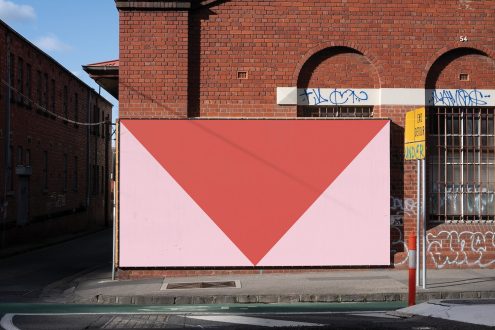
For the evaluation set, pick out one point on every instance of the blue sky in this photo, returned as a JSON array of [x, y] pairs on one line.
[[73, 32]]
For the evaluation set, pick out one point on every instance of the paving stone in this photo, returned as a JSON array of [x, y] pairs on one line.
[[246, 299], [181, 300], [268, 299]]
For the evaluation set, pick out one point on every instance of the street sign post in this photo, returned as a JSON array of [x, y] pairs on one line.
[[415, 137], [415, 148]]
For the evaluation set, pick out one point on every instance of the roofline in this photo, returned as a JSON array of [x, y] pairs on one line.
[[102, 64], [36, 48], [165, 4], [154, 4]]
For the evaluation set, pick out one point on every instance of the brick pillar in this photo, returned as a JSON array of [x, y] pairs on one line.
[[154, 52]]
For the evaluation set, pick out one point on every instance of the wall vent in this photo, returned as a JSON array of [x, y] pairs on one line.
[[242, 75]]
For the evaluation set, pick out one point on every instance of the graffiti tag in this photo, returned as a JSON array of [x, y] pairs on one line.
[[458, 97], [319, 96], [461, 248]]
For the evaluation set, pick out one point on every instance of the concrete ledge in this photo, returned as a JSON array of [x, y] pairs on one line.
[[285, 299]]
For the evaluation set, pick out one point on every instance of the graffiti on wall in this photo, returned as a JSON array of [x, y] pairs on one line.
[[403, 206], [451, 248], [398, 244], [400, 207], [458, 97], [332, 96], [461, 248]]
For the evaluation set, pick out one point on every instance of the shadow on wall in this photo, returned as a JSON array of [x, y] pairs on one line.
[[399, 207], [194, 55], [349, 67]]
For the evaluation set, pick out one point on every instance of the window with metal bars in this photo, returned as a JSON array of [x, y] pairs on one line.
[[461, 163], [332, 111]]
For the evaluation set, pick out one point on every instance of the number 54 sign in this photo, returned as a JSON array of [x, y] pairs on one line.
[[415, 134]]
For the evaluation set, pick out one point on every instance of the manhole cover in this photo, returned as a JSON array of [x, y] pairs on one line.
[[470, 302], [200, 285]]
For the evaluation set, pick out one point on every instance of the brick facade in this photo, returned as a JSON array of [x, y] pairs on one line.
[[227, 58], [70, 162]]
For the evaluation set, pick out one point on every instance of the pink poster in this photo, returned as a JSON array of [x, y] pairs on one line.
[[220, 193]]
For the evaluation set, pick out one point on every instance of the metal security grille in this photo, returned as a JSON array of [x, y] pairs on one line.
[[349, 112], [461, 161]]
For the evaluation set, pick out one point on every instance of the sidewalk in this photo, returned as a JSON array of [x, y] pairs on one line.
[[331, 286]]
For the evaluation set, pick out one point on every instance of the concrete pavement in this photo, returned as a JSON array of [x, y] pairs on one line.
[[479, 312], [26, 276], [331, 286]]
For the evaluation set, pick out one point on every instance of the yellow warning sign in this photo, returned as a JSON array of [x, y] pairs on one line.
[[415, 134]]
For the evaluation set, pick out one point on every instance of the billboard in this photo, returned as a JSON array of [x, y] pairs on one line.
[[233, 193]]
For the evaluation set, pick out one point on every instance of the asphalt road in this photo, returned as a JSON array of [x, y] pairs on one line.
[[301, 316], [23, 277], [364, 320]]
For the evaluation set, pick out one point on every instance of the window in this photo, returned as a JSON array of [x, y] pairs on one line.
[[29, 93], [12, 76], [45, 93], [65, 173], [53, 98], [27, 159], [76, 107], [96, 115], [75, 175], [39, 83], [10, 167], [45, 170], [333, 111], [461, 161], [20, 156], [20, 79], [66, 102]]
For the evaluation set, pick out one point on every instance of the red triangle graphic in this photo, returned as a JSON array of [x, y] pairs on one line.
[[254, 178]]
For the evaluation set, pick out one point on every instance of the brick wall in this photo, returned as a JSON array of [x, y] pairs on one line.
[[233, 55], [446, 71], [153, 79], [36, 134]]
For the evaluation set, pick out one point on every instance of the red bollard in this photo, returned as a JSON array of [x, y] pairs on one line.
[[411, 244]]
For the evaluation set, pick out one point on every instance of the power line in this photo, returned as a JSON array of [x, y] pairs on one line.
[[52, 113]]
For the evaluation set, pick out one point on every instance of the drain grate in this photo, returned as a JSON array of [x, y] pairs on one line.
[[200, 285]]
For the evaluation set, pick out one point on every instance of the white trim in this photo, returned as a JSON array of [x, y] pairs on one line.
[[254, 321], [7, 322], [286, 95], [403, 96], [385, 96]]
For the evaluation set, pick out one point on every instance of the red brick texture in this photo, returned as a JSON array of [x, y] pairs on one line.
[[153, 69], [178, 64]]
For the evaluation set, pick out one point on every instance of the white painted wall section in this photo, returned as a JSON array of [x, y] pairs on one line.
[[385, 96]]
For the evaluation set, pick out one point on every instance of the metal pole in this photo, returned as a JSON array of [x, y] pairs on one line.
[[423, 212], [115, 197], [114, 229], [418, 215], [411, 243]]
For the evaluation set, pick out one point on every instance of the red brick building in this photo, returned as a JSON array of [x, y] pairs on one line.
[[380, 59], [55, 168]]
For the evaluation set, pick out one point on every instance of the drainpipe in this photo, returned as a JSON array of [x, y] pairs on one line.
[[6, 140]]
